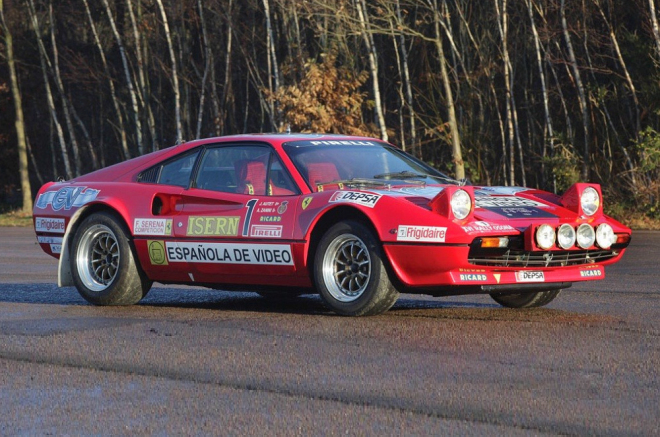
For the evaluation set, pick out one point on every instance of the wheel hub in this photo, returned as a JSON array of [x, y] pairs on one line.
[[346, 268]]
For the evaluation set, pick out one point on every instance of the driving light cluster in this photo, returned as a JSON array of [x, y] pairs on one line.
[[566, 237], [461, 204]]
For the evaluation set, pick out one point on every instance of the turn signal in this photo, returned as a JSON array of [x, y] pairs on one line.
[[495, 242]]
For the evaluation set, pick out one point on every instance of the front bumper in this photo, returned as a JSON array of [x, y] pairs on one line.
[[433, 266]]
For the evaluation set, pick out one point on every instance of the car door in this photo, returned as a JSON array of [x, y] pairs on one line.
[[237, 220]]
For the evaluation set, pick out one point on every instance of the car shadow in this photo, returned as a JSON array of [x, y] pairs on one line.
[[202, 298]]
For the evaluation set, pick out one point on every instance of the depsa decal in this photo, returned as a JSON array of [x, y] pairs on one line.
[[365, 199], [229, 253], [67, 198]]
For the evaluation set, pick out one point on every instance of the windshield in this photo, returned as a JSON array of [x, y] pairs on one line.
[[361, 163]]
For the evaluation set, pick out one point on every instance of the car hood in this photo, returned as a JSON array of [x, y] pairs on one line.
[[495, 203]]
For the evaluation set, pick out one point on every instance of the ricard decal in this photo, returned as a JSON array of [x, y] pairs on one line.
[[66, 198], [591, 273], [149, 226], [529, 276], [47, 224], [430, 234], [229, 253], [365, 199]]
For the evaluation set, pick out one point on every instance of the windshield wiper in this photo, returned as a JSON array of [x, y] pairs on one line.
[[400, 175], [356, 182]]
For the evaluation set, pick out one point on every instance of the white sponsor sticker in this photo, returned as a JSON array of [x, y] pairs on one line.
[[591, 273], [504, 202], [488, 227], [365, 199], [147, 226], [49, 240], [266, 231], [527, 276], [476, 277], [67, 198], [342, 143], [56, 248], [47, 224], [421, 233], [229, 253]]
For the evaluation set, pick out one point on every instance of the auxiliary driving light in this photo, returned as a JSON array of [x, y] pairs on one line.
[[545, 236], [566, 236], [586, 237], [605, 236]]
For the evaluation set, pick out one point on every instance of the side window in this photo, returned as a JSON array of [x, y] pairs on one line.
[[178, 171], [243, 170]]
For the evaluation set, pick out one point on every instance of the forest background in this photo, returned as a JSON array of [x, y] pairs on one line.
[[539, 93]]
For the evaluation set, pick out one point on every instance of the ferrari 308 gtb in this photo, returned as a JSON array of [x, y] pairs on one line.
[[354, 219]]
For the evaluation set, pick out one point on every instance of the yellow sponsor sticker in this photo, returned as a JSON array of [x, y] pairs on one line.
[[306, 201], [213, 226], [157, 254]]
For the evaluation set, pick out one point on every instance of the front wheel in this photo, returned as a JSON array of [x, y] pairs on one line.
[[349, 271], [103, 264], [526, 300]]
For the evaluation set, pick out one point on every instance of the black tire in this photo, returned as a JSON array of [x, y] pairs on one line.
[[526, 300], [349, 271], [103, 263]]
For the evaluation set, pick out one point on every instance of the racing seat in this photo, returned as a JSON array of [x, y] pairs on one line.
[[250, 177], [322, 173]]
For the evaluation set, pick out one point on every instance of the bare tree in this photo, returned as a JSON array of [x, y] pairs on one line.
[[19, 122]]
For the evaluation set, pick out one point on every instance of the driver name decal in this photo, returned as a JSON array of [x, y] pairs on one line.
[[229, 253], [365, 199]]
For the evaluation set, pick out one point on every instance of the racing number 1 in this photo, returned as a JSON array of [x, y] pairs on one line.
[[248, 217]]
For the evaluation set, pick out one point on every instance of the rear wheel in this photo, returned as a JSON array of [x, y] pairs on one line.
[[349, 271], [526, 300], [103, 263]]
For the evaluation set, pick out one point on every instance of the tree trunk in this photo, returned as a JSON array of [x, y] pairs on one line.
[[373, 66], [581, 94], [544, 90], [19, 122], [60, 88], [129, 80], [113, 94], [654, 25], [449, 96], [175, 77], [49, 95], [207, 65], [408, 87], [142, 76]]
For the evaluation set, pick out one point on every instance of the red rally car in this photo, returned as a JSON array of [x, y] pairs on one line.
[[354, 219]]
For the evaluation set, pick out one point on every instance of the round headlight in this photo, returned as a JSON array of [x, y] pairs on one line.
[[545, 236], [605, 236], [461, 204], [589, 201], [585, 236], [566, 236]]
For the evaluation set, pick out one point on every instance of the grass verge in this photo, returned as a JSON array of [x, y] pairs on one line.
[[15, 218]]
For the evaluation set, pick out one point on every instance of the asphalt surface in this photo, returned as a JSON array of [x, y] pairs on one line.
[[191, 361]]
